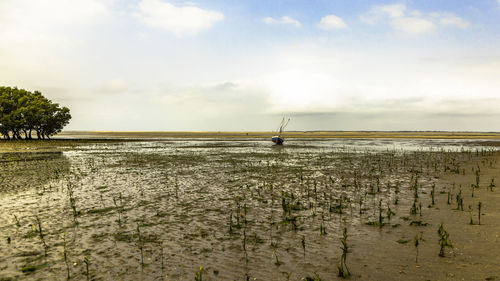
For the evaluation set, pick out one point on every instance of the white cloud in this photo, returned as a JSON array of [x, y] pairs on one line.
[[27, 20], [51, 12], [406, 21], [41, 40], [181, 21], [331, 22], [393, 11], [283, 20], [298, 89], [452, 20], [413, 25]]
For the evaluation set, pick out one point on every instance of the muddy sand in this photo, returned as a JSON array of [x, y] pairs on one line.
[[247, 210]]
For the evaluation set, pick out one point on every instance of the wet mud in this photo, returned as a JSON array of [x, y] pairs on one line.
[[247, 210]]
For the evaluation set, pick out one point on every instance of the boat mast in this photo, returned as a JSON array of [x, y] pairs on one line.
[[283, 125]]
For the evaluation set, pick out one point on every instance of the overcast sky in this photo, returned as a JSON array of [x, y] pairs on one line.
[[218, 65]]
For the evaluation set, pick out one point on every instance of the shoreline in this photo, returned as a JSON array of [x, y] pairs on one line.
[[289, 134]]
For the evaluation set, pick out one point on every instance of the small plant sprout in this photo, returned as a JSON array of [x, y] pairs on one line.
[[65, 256], [303, 242], [41, 234], [140, 245], [244, 244], [443, 240], [380, 217], [87, 262], [479, 212], [199, 274], [342, 266], [416, 243], [478, 172], [277, 260], [433, 193], [470, 213], [390, 213], [322, 229], [162, 258], [18, 224]]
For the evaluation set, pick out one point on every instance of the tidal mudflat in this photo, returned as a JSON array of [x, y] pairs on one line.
[[219, 209]]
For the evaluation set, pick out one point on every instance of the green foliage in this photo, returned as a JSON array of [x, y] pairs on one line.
[[199, 274], [314, 278], [22, 112]]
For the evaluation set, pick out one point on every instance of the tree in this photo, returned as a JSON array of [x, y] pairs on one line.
[[22, 112]]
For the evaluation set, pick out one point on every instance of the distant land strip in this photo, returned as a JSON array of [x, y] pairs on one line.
[[288, 134]]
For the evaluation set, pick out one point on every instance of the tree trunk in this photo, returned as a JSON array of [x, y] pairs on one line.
[[29, 135]]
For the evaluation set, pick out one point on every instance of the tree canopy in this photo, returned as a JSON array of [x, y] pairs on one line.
[[22, 112]]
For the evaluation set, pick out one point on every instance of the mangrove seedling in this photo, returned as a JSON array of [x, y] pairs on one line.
[[416, 243], [443, 240], [140, 245], [479, 212], [390, 213], [470, 213], [87, 262], [277, 260], [304, 245], [380, 217], [18, 224], [342, 266], [432, 193], [322, 229], [414, 207], [162, 261], [65, 256], [41, 234], [199, 274]]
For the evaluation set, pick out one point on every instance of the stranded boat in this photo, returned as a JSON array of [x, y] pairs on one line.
[[278, 139]]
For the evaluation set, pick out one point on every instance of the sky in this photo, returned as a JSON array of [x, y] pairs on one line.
[[228, 65]]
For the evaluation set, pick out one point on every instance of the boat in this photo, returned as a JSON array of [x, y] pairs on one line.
[[278, 140]]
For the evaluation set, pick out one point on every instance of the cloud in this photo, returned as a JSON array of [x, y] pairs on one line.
[[46, 20], [331, 22], [298, 89], [452, 20], [407, 21], [413, 25], [51, 12], [214, 99], [283, 20], [181, 21]]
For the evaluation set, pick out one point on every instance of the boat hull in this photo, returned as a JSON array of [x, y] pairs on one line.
[[278, 140]]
